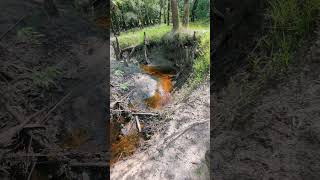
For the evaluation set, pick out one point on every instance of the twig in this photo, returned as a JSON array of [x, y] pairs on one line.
[[138, 123], [31, 171], [10, 29], [135, 113], [145, 113]]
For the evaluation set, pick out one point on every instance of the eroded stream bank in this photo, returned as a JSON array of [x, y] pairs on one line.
[[141, 92]]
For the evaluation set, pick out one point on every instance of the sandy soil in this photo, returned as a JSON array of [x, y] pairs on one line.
[[178, 150]]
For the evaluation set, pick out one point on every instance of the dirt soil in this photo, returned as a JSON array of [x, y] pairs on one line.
[[71, 111], [279, 137], [177, 150]]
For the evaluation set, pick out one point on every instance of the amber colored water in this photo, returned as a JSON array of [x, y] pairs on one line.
[[123, 146], [165, 82]]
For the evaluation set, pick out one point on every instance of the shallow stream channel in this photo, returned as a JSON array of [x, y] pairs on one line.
[[140, 91]]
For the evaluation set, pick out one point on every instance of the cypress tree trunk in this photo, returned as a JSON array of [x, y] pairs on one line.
[[186, 13], [175, 15]]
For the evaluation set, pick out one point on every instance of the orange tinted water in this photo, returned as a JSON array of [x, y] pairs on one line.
[[164, 81]]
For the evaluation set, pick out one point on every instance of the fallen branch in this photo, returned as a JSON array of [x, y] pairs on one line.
[[136, 113]]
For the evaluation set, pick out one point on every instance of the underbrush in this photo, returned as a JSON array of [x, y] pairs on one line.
[[289, 21]]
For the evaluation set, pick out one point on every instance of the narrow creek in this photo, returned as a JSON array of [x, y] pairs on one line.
[[150, 90], [156, 85]]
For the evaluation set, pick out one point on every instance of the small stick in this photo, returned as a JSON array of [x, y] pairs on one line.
[[32, 168], [138, 123]]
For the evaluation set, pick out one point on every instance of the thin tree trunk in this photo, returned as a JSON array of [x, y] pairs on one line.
[[186, 13], [161, 7], [164, 13], [168, 13], [193, 12], [160, 16], [175, 15]]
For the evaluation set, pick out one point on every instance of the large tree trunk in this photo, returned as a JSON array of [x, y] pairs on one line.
[[175, 15], [186, 13], [193, 12], [168, 13]]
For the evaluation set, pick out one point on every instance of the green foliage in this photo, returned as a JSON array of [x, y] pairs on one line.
[[124, 86], [201, 66], [134, 13], [29, 35], [203, 10], [128, 14], [118, 72], [46, 79]]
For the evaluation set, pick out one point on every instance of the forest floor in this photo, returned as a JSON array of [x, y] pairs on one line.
[[52, 84], [175, 135], [276, 136]]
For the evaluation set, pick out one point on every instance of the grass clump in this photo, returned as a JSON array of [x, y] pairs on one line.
[[46, 79], [290, 21]]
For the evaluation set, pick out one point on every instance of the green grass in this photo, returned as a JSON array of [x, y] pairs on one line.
[[289, 22], [154, 33], [201, 66]]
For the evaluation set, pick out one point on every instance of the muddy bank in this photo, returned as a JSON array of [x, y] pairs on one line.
[[53, 69]]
